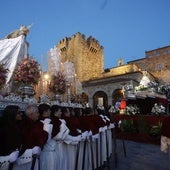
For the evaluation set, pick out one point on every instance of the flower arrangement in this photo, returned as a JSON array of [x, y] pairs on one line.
[[58, 83], [100, 107], [114, 109], [132, 110], [3, 75], [158, 109], [141, 88], [27, 72]]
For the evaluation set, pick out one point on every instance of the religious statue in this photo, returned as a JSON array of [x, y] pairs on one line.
[[23, 30], [120, 62], [13, 48]]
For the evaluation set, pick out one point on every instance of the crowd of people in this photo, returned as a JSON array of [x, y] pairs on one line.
[[53, 137]]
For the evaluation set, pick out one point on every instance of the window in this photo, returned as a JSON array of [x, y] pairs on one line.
[[157, 53], [63, 49], [93, 50], [149, 55], [165, 52], [100, 101], [159, 67]]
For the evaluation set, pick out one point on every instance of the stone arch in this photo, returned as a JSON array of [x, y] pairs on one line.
[[116, 95], [100, 94]]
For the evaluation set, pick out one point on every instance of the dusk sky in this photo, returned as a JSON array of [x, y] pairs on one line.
[[125, 28]]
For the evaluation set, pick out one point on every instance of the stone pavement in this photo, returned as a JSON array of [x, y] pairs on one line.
[[139, 156]]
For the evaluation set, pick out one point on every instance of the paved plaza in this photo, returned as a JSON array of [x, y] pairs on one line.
[[139, 156]]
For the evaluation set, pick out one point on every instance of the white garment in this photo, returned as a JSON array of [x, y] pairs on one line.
[[13, 156], [11, 52], [74, 140], [110, 142], [64, 131], [103, 143], [88, 157], [72, 155], [61, 151], [4, 162], [165, 143], [94, 151], [47, 127], [48, 156], [80, 155], [24, 162], [61, 148]]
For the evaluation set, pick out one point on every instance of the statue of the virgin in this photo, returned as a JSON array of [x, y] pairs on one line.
[[12, 49]]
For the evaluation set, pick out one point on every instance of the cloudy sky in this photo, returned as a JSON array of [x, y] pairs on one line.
[[125, 28]]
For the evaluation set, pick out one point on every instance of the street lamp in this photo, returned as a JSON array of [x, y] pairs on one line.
[[46, 79]]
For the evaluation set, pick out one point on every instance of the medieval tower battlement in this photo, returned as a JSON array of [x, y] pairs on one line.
[[86, 55]]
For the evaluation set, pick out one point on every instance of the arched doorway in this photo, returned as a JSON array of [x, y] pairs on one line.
[[117, 95], [100, 97]]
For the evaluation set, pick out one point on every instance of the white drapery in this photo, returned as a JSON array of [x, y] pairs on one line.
[[11, 52]]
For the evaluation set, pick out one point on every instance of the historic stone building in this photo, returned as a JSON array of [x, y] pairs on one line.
[[105, 86], [86, 54], [157, 62]]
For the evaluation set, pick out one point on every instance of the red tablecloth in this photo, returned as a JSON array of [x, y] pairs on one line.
[[152, 120], [145, 138], [165, 130]]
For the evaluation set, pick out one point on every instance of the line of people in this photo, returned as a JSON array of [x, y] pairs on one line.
[[52, 137]]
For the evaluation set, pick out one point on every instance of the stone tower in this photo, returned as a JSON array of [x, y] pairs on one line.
[[86, 55]]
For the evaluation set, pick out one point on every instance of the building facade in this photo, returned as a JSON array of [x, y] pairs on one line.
[[105, 86], [157, 62], [86, 54]]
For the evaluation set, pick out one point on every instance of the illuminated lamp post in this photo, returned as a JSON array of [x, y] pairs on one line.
[[46, 79]]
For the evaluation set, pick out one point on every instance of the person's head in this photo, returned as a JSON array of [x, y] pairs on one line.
[[78, 112], [100, 111], [96, 112], [12, 114], [72, 112], [88, 111], [44, 110], [56, 111], [32, 112], [65, 112]]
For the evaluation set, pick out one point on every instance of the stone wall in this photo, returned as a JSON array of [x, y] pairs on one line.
[[157, 62], [86, 54]]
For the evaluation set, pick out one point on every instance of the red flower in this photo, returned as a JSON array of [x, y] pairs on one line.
[[58, 83], [27, 71], [3, 75]]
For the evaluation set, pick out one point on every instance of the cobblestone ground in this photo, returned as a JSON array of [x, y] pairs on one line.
[[139, 156]]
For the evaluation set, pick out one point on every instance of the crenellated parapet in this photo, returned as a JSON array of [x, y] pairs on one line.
[[63, 44], [93, 44]]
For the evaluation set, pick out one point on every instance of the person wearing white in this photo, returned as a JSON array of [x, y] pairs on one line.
[[48, 155], [6, 160], [59, 136]]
